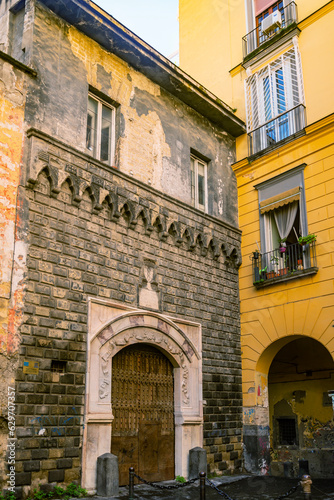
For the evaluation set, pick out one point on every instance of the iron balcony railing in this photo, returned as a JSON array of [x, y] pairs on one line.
[[292, 261], [255, 38], [277, 129]]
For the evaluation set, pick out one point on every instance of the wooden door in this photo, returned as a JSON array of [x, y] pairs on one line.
[[143, 409]]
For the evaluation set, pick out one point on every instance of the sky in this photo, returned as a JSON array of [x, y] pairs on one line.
[[155, 21]]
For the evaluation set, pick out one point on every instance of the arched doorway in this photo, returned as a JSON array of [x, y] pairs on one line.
[[143, 408], [113, 329], [300, 410]]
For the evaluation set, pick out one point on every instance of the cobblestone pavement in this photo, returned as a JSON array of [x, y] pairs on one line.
[[236, 488]]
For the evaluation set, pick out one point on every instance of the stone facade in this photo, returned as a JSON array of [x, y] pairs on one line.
[[102, 242]]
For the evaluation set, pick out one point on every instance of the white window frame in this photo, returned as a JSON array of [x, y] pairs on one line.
[[292, 79], [195, 195], [264, 131], [97, 153]]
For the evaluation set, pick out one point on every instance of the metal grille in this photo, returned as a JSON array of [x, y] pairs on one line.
[[287, 431], [274, 90]]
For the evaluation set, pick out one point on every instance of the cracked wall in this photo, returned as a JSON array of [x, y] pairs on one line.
[[12, 248]]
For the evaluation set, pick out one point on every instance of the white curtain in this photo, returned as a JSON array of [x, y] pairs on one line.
[[285, 217]]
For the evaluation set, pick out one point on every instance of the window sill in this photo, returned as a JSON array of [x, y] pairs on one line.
[[286, 277], [268, 47]]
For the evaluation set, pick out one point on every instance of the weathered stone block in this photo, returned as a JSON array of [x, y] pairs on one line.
[[107, 482], [197, 462], [56, 476], [22, 478]]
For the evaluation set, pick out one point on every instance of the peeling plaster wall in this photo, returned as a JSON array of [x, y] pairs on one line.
[[307, 402], [90, 228], [12, 244], [155, 131]]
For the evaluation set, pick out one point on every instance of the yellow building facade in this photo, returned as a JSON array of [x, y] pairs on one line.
[[271, 62]]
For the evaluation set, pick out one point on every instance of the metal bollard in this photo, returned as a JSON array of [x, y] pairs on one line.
[[131, 480], [306, 486], [202, 485]]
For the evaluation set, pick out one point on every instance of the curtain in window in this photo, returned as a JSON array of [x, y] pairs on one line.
[[285, 217]]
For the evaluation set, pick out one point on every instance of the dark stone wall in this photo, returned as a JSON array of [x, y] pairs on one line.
[[79, 250], [90, 227], [162, 130]]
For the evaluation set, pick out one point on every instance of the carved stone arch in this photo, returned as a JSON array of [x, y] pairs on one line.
[[236, 257], [160, 224], [112, 200], [184, 353], [188, 237], [144, 214], [74, 186], [52, 175], [129, 213], [213, 246], [95, 196], [233, 255], [225, 250], [175, 231], [86, 188], [201, 242]]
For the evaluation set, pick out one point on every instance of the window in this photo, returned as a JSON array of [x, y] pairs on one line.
[[198, 183], [283, 219], [275, 101], [287, 434], [273, 8], [100, 130], [265, 20]]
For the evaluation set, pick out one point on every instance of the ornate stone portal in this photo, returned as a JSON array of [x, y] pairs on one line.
[[113, 327]]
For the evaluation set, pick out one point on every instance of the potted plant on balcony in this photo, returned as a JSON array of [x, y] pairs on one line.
[[282, 245], [271, 274], [306, 240], [256, 254]]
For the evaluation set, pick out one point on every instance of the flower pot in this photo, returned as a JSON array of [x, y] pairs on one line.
[[283, 272], [270, 275]]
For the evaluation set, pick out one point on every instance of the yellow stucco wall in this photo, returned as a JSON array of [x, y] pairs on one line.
[[211, 50], [271, 317], [301, 306]]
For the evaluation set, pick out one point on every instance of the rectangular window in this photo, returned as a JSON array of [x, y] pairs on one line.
[[287, 434], [198, 183], [283, 220], [275, 101], [100, 136], [277, 6]]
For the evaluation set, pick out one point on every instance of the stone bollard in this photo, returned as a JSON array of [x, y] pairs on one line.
[[107, 475], [305, 483], [197, 462]]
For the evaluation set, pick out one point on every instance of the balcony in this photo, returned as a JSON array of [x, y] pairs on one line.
[[274, 131], [284, 264], [257, 38]]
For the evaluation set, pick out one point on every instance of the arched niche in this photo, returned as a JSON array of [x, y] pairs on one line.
[[180, 343], [292, 378]]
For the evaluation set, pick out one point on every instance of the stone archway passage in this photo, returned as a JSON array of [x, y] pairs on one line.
[[143, 408]]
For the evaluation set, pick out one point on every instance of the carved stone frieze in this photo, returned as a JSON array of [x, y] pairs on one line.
[[83, 175]]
